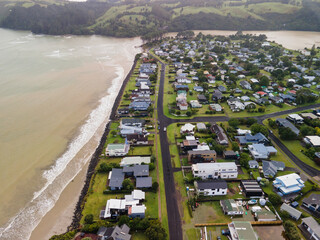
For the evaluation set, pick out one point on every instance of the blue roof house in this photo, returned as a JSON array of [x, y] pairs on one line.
[[248, 138]]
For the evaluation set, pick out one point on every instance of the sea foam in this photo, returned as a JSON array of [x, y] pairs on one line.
[[64, 170]]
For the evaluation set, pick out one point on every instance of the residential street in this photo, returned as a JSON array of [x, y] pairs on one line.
[[174, 218]]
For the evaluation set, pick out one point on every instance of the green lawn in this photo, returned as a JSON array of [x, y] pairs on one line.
[[294, 146]]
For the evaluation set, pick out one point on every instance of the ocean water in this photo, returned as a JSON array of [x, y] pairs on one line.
[[56, 94]]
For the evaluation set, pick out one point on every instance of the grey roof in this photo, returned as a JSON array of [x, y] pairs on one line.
[[253, 162], [312, 199], [131, 121], [249, 138], [115, 233], [141, 170], [229, 153], [117, 177], [202, 152], [213, 184], [270, 168], [292, 211], [285, 123], [143, 182], [251, 186], [313, 224], [217, 94]]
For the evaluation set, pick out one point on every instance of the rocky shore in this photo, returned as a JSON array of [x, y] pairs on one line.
[[75, 224]]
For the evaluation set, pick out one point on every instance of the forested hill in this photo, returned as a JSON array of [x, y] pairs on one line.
[[150, 18]]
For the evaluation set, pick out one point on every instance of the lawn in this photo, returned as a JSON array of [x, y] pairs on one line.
[[294, 146], [139, 236]]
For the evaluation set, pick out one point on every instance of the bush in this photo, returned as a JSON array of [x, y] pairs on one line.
[[88, 219], [275, 199], [291, 231], [155, 186], [65, 236]]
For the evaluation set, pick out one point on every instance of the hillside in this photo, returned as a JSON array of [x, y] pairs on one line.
[[147, 18]]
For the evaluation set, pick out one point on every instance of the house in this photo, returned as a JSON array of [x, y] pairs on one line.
[[217, 95], [110, 233], [295, 118], [215, 107], [123, 111], [222, 89], [314, 141], [201, 127], [245, 98], [136, 171], [229, 154], [215, 170], [127, 130], [198, 89], [139, 105], [289, 183], [245, 85], [276, 100], [137, 139], [253, 164], [221, 136], [265, 216], [242, 132], [202, 156], [187, 128], [309, 116], [294, 213], [137, 160], [116, 207], [137, 211], [195, 104], [285, 123], [262, 93], [248, 139], [312, 203], [187, 145], [117, 149], [136, 122], [270, 168], [312, 227], [231, 207], [115, 179], [235, 105], [261, 152], [143, 182], [181, 87], [202, 99], [241, 230], [251, 188], [211, 188]]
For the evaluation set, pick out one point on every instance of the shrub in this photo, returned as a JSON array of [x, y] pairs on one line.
[[88, 219]]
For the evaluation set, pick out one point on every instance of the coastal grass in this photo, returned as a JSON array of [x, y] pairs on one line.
[[96, 200]]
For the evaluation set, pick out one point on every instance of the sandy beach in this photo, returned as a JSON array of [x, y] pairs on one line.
[[59, 217]]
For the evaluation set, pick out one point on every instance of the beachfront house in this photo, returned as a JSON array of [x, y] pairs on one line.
[[117, 149]]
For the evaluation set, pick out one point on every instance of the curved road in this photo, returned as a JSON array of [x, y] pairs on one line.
[[174, 219]]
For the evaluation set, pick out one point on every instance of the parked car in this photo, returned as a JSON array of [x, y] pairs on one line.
[[225, 232]]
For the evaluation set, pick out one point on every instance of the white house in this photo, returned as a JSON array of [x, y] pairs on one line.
[[260, 151], [187, 128], [137, 160], [314, 141], [289, 183], [211, 188], [119, 149], [215, 170]]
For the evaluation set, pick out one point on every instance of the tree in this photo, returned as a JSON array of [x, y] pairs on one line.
[[188, 113], [264, 81], [272, 123], [258, 128], [127, 185], [124, 219], [307, 130], [234, 122], [251, 121], [88, 219], [156, 231], [244, 160], [291, 230], [275, 199], [287, 134], [155, 186], [235, 146]]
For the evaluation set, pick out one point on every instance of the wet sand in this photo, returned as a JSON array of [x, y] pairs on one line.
[[60, 216]]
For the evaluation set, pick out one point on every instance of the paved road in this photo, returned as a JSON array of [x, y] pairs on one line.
[[174, 220]]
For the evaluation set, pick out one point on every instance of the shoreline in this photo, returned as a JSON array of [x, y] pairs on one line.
[[66, 213]]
